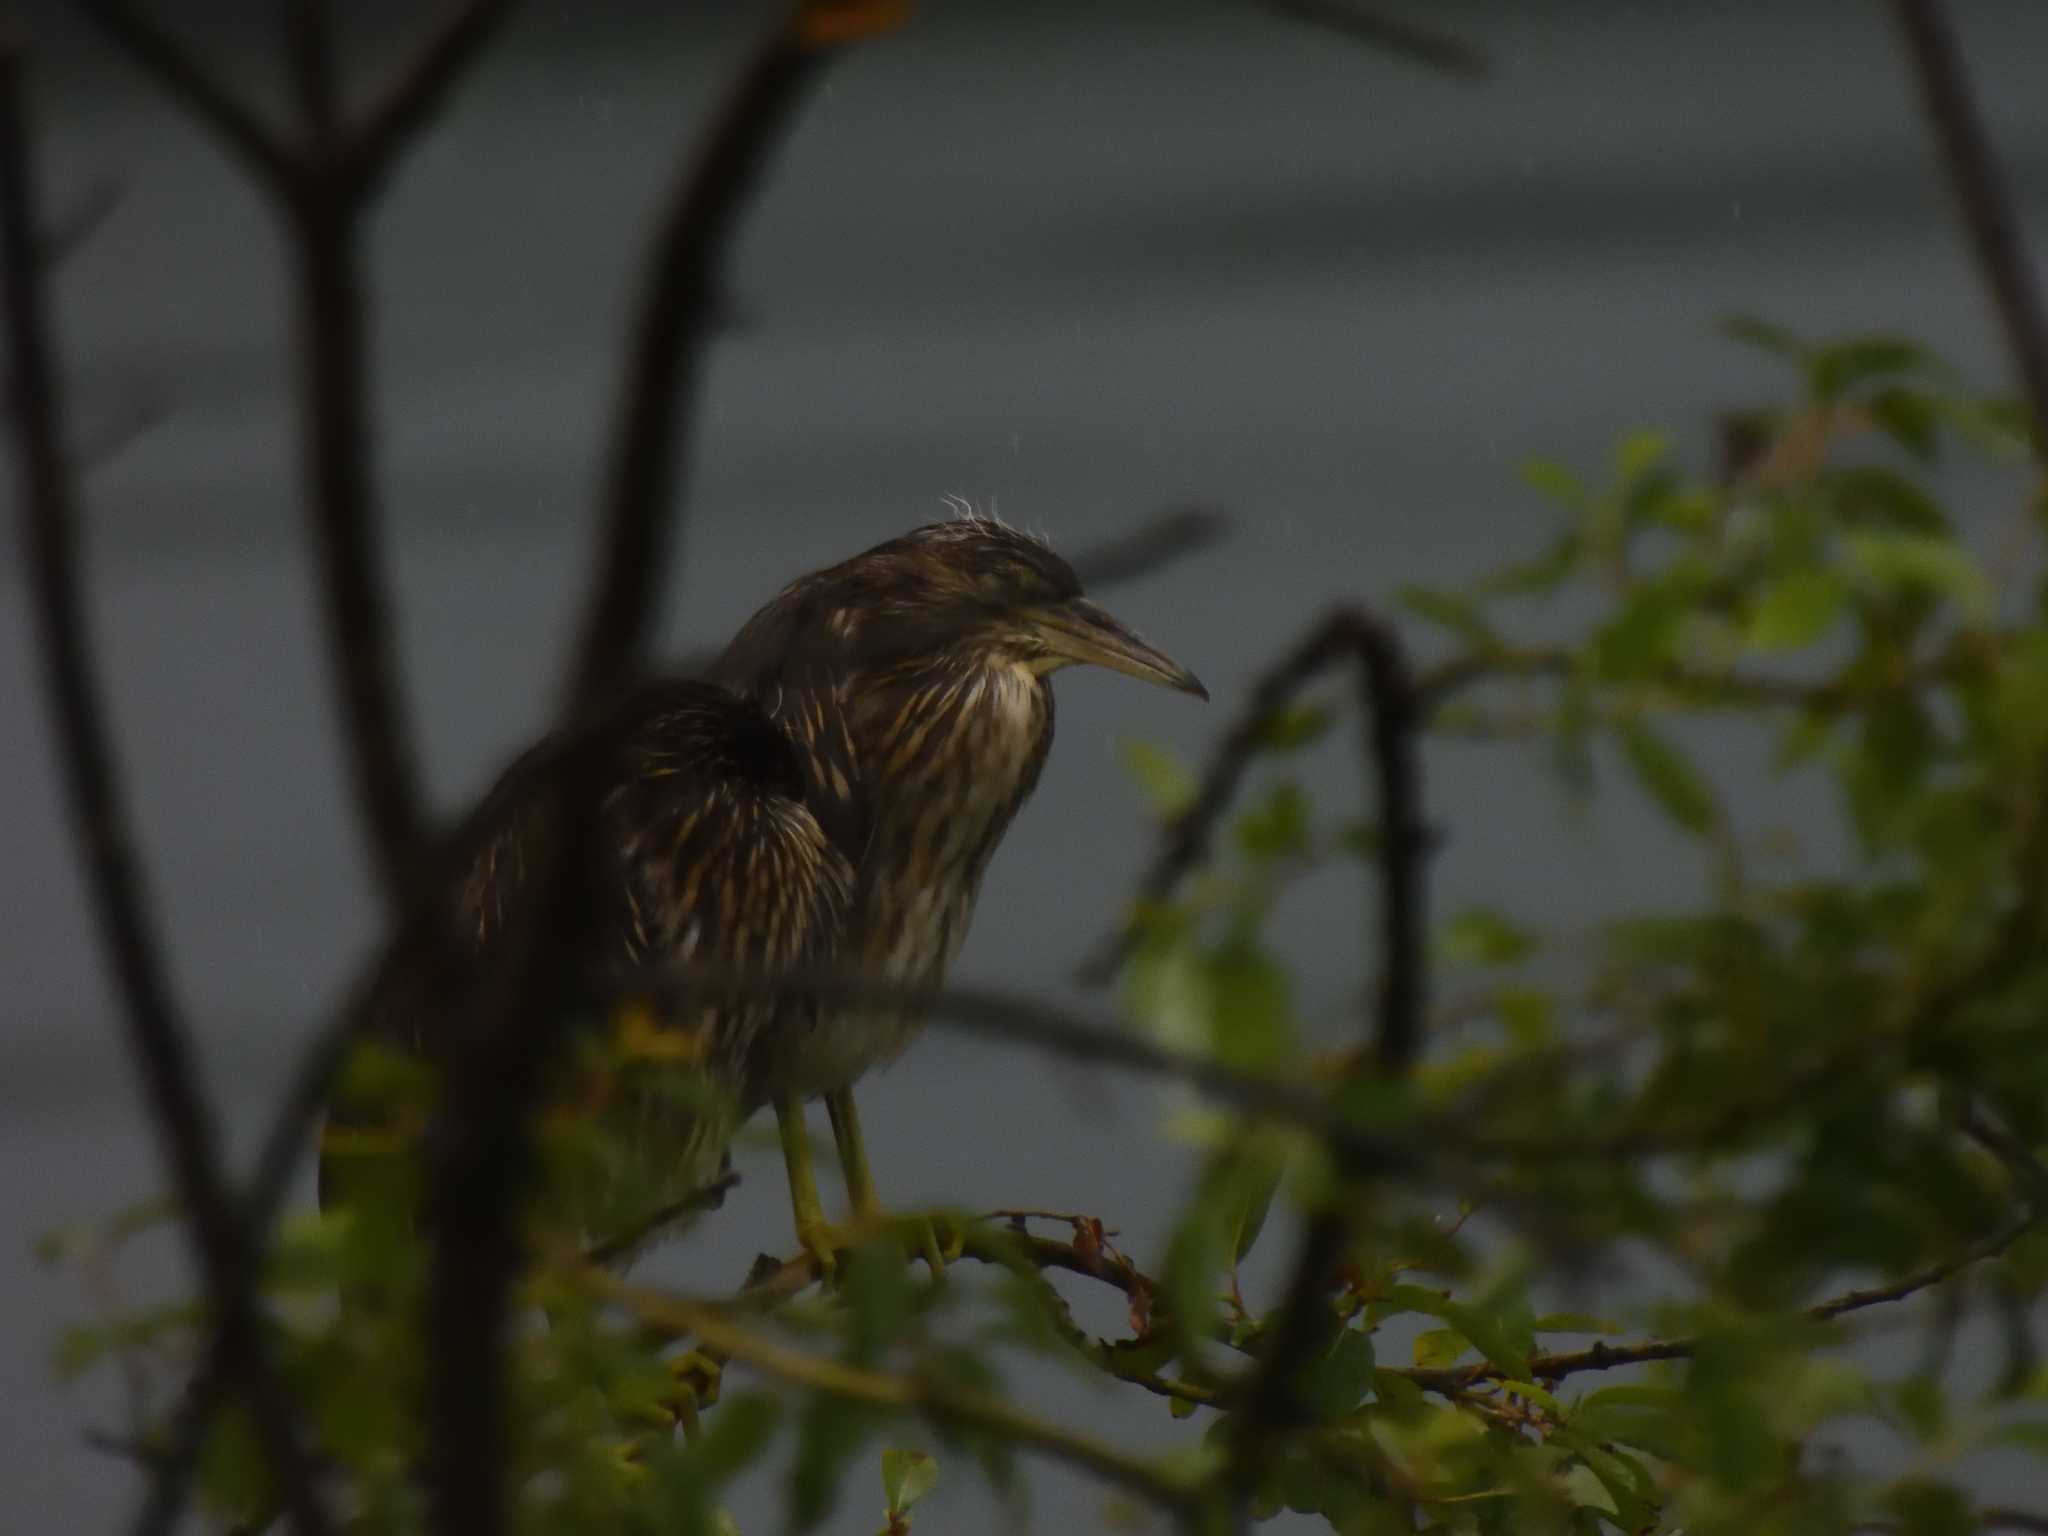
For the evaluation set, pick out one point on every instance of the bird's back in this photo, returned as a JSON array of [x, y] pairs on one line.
[[706, 860]]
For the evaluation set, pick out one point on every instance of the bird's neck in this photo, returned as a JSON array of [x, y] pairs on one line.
[[946, 760]]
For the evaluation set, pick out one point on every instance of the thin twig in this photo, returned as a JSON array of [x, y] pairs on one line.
[[2004, 1517], [157, 1035], [673, 323], [1606, 1357], [161, 55], [1390, 34], [1980, 190]]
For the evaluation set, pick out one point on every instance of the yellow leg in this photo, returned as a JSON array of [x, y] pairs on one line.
[[808, 1211], [853, 1155], [860, 1186]]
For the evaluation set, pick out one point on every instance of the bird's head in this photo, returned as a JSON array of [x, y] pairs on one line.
[[971, 591]]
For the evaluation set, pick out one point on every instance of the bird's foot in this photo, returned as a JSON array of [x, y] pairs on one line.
[[937, 1238], [693, 1382], [825, 1242]]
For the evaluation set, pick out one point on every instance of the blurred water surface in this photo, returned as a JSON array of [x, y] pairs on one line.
[[1075, 262]]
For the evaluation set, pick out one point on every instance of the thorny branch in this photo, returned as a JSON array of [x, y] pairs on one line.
[[158, 1036]]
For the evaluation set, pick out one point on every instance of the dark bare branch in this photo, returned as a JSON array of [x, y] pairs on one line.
[[69, 232], [1153, 545], [161, 55], [1393, 715], [311, 40], [339, 476], [675, 319], [1389, 34], [420, 87], [507, 1032], [1981, 195], [92, 780]]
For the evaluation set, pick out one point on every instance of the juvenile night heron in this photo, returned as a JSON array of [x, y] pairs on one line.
[[828, 801], [914, 680]]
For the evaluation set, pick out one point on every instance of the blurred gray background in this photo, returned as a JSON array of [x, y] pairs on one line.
[[1076, 262]]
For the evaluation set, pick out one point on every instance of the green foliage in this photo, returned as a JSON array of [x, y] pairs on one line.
[[1768, 1089]]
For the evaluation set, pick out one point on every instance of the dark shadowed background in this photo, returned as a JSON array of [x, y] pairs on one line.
[[1073, 262]]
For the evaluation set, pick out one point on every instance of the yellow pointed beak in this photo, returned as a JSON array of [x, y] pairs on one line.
[[1078, 632]]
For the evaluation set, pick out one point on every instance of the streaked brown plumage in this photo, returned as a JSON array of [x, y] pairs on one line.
[[707, 856]]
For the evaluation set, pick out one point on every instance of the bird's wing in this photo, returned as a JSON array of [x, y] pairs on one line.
[[789, 659], [707, 858]]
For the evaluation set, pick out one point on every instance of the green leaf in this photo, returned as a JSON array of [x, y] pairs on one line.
[[877, 1294], [1491, 1336], [830, 1432], [79, 1349], [1924, 1507], [1336, 1383], [1875, 496], [1626, 1480], [1438, 1349], [1294, 727], [1460, 615], [735, 1436], [1278, 827], [1908, 418], [1795, 610], [1638, 454], [1763, 334], [1837, 367], [1538, 577], [1250, 1007], [1482, 936], [1923, 1405], [1248, 1196], [907, 1476], [1903, 561], [1668, 776], [1556, 482], [1167, 785]]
